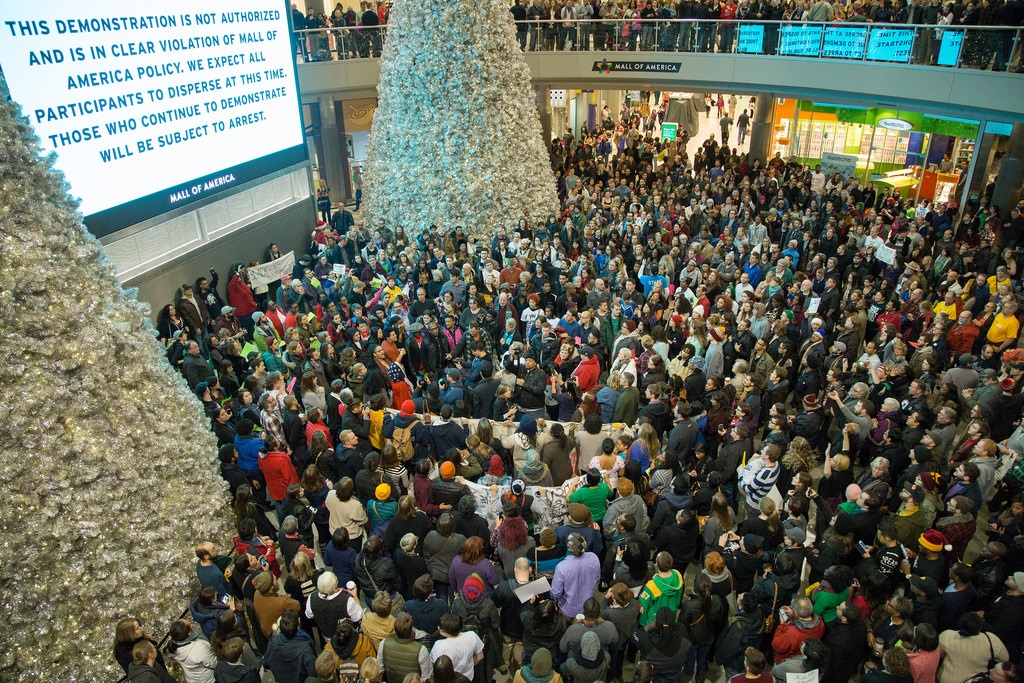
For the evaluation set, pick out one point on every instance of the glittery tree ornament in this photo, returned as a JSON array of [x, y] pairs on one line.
[[108, 468], [456, 140]]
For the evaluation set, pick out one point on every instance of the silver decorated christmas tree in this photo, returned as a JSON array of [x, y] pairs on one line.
[[108, 471], [456, 139]]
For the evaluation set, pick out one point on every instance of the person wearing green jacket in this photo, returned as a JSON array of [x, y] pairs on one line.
[[665, 589]]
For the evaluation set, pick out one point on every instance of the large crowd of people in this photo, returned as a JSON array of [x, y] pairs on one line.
[[782, 411]]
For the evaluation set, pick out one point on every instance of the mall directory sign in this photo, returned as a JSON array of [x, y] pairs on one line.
[[151, 106]]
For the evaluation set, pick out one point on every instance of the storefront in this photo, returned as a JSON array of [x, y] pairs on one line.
[[921, 155]]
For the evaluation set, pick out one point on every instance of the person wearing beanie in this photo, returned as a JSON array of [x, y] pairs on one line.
[[495, 475], [381, 509], [473, 605], [589, 664], [932, 503], [930, 558], [522, 440], [268, 603], [407, 427], [446, 490]]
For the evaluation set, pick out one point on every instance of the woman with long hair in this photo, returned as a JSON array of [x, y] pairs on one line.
[[316, 490], [555, 454], [799, 457], [511, 538], [245, 508], [766, 525], [471, 561], [127, 635], [719, 522]]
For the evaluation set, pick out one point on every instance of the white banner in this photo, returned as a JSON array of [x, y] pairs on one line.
[[261, 275]]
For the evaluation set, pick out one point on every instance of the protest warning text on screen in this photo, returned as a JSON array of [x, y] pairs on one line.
[[150, 111]]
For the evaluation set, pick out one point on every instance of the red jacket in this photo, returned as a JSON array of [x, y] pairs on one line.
[[278, 470], [789, 637], [587, 373], [240, 296]]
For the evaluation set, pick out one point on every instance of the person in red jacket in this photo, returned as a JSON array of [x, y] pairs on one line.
[[800, 623], [588, 371], [278, 470], [240, 297]]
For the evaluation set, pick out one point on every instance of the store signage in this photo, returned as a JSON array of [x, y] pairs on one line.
[[890, 44], [606, 66], [892, 123], [751, 39], [669, 130], [843, 164], [949, 50], [800, 41], [844, 43]]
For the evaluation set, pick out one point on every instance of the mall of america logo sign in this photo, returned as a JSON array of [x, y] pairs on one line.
[[605, 67]]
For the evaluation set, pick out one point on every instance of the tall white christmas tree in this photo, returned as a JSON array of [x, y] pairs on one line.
[[108, 470], [456, 139]]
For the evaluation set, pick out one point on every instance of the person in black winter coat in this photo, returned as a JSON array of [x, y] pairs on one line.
[[846, 640], [446, 434], [746, 631], [469, 523], [671, 503], [680, 539]]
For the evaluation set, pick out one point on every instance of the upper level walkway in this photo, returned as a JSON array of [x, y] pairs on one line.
[[963, 71]]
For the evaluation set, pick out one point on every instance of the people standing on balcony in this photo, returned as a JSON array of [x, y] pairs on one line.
[[647, 13], [534, 14], [519, 16], [727, 28]]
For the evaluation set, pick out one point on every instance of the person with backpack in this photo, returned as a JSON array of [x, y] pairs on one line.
[[746, 631], [408, 434]]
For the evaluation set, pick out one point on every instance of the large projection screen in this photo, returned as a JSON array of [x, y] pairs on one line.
[[153, 106]]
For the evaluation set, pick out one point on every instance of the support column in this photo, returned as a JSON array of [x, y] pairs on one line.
[[1011, 173], [334, 165], [544, 109], [761, 127]]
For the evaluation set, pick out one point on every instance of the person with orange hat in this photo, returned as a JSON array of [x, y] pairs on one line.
[[446, 491]]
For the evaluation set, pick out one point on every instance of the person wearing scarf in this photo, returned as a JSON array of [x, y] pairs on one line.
[[538, 670], [534, 472], [590, 663]]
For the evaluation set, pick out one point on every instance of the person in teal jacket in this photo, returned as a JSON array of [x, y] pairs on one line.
[[381, 509]]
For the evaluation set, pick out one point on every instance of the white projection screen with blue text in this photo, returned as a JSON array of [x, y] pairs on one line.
[[153, 106]]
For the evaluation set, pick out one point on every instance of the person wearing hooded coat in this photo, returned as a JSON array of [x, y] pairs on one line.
[[627, 502], [538, 670], [663, 643], [671, 503], [588, 664], [746, 631], [479, 614], [680, 539], [290, 653]]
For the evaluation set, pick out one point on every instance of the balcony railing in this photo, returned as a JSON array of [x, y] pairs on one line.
[[955, 47]]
